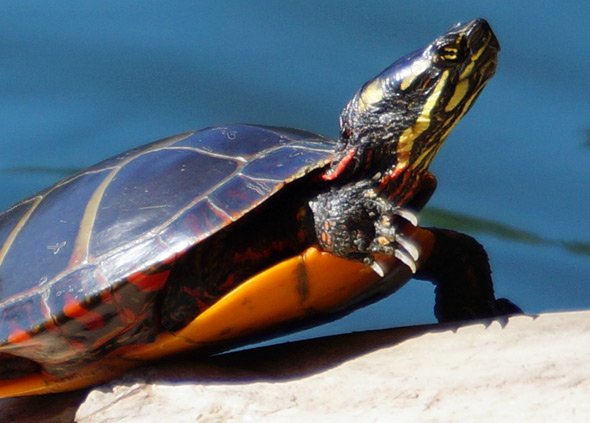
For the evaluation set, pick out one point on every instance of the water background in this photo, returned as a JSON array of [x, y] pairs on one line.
[[81, 81]]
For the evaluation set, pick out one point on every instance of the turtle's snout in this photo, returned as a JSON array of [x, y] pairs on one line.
[[480, 34]]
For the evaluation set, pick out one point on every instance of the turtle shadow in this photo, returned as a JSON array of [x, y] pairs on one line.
[[281, 362], [275, 363], [51, 408]]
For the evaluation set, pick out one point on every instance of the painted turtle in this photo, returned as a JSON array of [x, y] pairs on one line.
[[215, 237]]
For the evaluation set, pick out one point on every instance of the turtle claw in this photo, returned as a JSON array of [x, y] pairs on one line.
[[408, 215], [383, 268], [409, 247], [378, 269], [408, 253], [402, 249], [406, 258], [392, 241], [505, 307]]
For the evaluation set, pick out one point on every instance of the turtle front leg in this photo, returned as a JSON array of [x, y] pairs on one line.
[[458, 265], [355, 222]]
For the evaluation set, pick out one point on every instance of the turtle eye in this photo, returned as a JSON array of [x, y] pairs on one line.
[[450, 52]]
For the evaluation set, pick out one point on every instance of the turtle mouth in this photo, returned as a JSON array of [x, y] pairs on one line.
[[482, 47], [479, 34], [479, 68]]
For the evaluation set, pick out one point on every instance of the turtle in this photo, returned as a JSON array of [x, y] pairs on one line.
[[218, 237]]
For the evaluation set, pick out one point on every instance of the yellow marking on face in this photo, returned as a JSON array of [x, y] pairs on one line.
[[423, 161], [469, 68], [416, 69], [406, 82], [433, 99], [458, 95], [407, 138], [426, 156], [467, 71], [451, 53], [479, 52], [371, 94]]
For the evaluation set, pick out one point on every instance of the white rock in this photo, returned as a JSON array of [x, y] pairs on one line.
[[529, 370]]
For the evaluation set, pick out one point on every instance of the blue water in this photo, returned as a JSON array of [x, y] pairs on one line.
[[80, 81]]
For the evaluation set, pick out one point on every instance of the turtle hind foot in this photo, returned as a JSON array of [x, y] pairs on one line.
[[498, 310], [505, 307]]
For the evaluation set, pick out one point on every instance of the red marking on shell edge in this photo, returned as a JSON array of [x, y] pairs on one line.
[[332, 173], [18, 336], [149, 282], [75, 310]]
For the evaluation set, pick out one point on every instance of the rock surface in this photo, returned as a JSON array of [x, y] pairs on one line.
[[530, 369]]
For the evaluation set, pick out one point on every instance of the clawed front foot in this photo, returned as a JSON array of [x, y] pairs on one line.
[[357, 223], [391, 240]]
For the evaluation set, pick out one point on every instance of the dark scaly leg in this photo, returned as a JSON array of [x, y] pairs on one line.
[[458, 265]]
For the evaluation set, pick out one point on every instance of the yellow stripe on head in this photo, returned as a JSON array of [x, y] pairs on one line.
[[460, 90], [416, 69], [410, 134], [370, 95]]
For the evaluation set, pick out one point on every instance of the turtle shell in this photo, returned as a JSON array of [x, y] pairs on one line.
[[82, 263]]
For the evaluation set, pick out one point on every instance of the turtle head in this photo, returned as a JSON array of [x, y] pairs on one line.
[[398, 120]]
